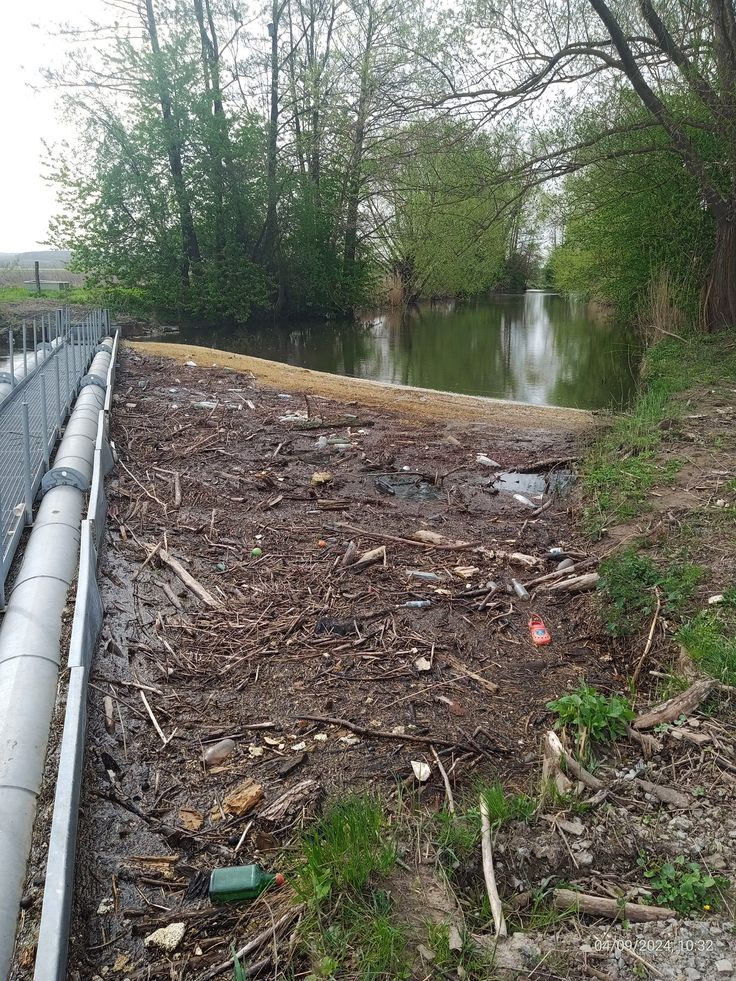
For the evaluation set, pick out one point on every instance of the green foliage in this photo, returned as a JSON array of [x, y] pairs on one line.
[[709, 639], [349, 923], [628, 586], [682, 885], [635, 213], [239, 971], [593, 717]]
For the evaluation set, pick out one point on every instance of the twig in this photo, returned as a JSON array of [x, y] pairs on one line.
[[156, 726], [446, 779], [189, 581], [490, 877], [380, 734], [649, 639], [252, 944], [151, 555]]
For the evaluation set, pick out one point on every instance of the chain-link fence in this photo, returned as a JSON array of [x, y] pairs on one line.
[[38, 385]]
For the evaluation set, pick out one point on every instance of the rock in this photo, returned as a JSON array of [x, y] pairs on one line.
[[106, 906], [692, 975], [455, 941], [169, 937], [681, 823], [724, 967], [425, 953]]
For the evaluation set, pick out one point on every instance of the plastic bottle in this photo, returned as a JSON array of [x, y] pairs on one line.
[[240, 882], [220, 751], [524, 500], [417, 603], [520, 590]]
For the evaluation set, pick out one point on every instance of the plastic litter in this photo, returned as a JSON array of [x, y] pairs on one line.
[[256, 553], [220, 751], [425, 576], [524, 500], [417, 604], [486, 460], [540, 634]]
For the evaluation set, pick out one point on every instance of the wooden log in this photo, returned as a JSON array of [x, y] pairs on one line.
[[368, 558], [673, 708], [598, 906], [666, 794], [487, 852], [578, 584], [189, 581]]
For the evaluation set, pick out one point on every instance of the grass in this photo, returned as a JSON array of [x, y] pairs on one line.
[[631, 583], [623, 466], [709, 639], [349, 925]]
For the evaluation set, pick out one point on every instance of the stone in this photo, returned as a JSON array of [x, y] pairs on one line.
[[167, 938], [681, 823], [692, 975], [425, 953], [455, 941], [724, 967]]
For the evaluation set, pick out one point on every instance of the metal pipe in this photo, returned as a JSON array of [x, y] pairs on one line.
[[30, 653]]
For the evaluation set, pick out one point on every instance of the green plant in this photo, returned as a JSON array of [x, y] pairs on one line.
[[708, 639], [239, 972], [682, 885], [594, 717], [629, 584], [349, 926]]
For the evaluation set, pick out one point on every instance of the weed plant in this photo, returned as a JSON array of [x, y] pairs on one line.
[[682, 885], [627, 588], [592, 717]]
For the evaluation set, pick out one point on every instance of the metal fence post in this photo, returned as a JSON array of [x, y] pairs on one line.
[[67, 387], [2, 561], [59, 418], [45, 421], [59, 322], [35, 343], [12, 358], [27, 462], [25, 350]]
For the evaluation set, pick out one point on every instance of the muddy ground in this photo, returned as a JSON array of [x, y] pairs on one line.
[[322, 677]]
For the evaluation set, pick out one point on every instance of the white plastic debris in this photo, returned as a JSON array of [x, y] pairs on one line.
[[421, 770], [422, 664], [486, 460], [190, 364]]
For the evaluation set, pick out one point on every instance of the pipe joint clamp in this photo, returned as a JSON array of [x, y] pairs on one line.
[[93, 380], [64, 477]]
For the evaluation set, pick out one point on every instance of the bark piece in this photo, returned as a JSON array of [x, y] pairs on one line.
[[666, 794], [368, 558], [487, 852], [241, 799], [300, 795], [598, 906], [673, 708]]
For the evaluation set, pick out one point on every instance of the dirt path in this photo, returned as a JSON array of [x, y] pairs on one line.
[[414, 403]]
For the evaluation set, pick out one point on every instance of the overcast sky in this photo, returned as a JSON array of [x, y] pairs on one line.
[[27, 203]]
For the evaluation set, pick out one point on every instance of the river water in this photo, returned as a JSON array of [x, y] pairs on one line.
[[533, 347]]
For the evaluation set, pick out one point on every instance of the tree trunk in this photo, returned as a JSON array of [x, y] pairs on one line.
[[190, 242], [719, 292]]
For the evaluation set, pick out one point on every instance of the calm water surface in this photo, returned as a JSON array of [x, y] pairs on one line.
[[534, 347]]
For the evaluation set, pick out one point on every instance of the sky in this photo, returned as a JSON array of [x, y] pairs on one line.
[[26, 203]]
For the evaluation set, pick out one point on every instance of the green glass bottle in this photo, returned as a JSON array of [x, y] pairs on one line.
[[240, 882]]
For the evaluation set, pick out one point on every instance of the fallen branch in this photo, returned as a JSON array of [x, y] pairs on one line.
[[344, 526], [151, 555], [488, 873], [548, 463], [368, 558], [253, 944], [558, 573], [189, 581], [156, 726], [577, 584], [490, 686], [673, 708], [598, 906], [648, 743]]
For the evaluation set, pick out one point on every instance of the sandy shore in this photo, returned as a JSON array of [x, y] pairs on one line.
[[410, 402]]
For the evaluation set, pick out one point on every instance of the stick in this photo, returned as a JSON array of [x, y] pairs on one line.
[[189, 581], [156, 726], [177, 490], [649, 640], [172, 596], [446, 779], [252, 944], [380, 734], [579, 566], [575, 585], [681, 704], [490, 686], [496, 909], [344, 526], [147, 559], [598, 906]]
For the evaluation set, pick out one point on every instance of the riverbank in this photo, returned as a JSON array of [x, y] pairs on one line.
[[232, 608], [409, 402]]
